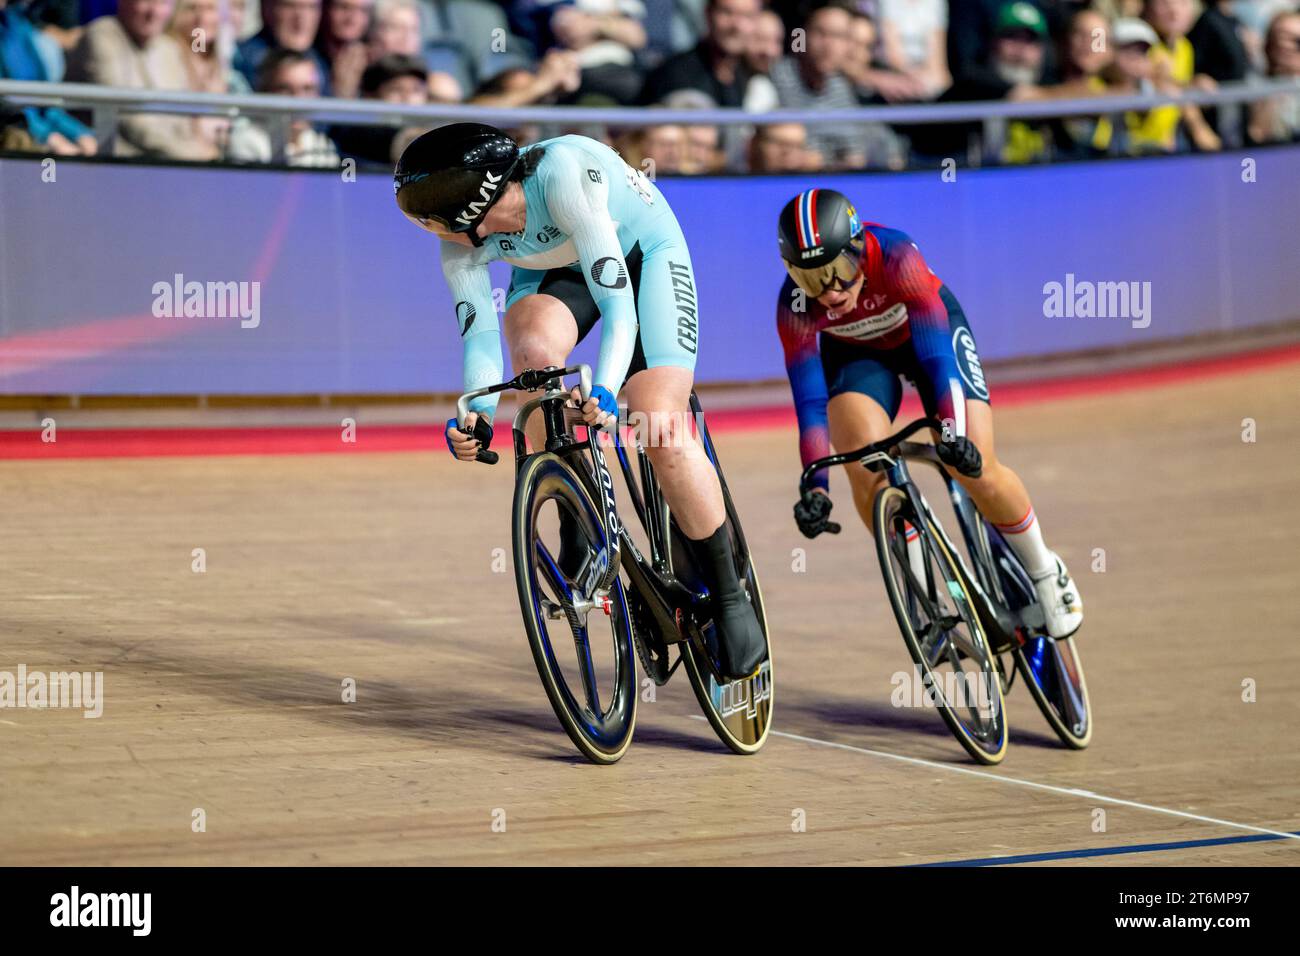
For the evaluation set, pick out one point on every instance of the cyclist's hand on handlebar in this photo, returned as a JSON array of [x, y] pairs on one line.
[[465, 442], [601, 408], [962, 456], [812, 513]]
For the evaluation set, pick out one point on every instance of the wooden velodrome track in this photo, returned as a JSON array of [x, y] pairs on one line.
[[223, 688]]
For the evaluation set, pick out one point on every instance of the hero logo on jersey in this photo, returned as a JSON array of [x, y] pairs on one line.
[[609, 272], [968, 362], [870, 326], [465, 315]]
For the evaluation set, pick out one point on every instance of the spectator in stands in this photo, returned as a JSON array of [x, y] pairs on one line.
[[26, 53], [196, 28], [1175, 68], [766, 42], [288, 73], [973, 29], [131, 49], [393, 78], [717, 65], [765, 47], [603, 33], [1219, 52], [914, 38], [395, 30], [655, 149], [1173, 54], [814, 81], [557, 75], [874, 85], [1014, 71], [1255, 16], [782, 148], [706, 150], [60, 20], [1135, 70], [703, 154], [1277, 119], [1086, 55], [286, 25], [1217, 46], [341, 43]]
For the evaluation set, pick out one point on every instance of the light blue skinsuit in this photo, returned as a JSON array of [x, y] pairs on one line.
[[586, 211]]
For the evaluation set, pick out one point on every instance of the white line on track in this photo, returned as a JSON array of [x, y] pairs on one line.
[[1068, 791]]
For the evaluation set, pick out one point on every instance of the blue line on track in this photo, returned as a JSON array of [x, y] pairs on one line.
[[1107, 851]]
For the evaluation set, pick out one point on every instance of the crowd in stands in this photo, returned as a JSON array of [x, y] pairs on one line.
[[811, 56]]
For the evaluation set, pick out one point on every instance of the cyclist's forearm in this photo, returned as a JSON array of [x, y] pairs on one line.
[[482, 365], [617, 341], [808, 387]]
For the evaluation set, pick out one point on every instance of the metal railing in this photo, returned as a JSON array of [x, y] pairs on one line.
[[106, 103]]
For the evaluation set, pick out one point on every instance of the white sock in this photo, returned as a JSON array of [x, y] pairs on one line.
[[1026, 540]]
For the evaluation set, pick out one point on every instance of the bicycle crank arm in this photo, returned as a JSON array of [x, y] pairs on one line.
[[667, 617]]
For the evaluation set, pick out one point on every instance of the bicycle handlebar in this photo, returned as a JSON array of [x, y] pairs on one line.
[[880, 446], [529, 380]]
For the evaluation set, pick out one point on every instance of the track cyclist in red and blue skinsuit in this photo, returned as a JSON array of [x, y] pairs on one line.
[[860, 312]]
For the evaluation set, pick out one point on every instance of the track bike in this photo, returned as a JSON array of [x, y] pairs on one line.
[[653, 605], [957, 625]]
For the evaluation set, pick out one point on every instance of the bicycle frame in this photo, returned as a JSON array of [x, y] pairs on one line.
[[890, 458], [995, 611], [668, 599]]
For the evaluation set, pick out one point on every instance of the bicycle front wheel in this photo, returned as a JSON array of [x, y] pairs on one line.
[[584, 654], [940, 626]]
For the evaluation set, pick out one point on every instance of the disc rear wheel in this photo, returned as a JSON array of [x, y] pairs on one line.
[[1051, 669]]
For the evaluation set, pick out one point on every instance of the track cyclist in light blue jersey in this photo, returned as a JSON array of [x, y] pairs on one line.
[[589, 238]]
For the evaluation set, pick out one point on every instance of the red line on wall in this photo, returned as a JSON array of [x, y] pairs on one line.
[[167, 442]]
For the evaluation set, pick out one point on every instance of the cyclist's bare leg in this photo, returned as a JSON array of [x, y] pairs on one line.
[[689, 483], [1001, 497], [857, 420], [540, 331], [691, 488]]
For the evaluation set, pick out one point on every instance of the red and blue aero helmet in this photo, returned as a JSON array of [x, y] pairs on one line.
[[453, 175], [821, 240]]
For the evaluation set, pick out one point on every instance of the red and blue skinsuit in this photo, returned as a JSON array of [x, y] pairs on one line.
[[904, 318]]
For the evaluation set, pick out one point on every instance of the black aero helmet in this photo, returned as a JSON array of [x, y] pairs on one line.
[[453, 175], [821, 240]]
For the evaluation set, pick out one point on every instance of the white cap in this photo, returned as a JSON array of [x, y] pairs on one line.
[[1128, 30]]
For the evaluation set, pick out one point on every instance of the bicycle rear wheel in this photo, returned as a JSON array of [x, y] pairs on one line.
[[740, 712], [576, 659], [1052, 669], [941, 628]]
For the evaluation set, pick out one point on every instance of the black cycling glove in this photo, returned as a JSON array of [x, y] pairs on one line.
[[961, 455], [812, 512]]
